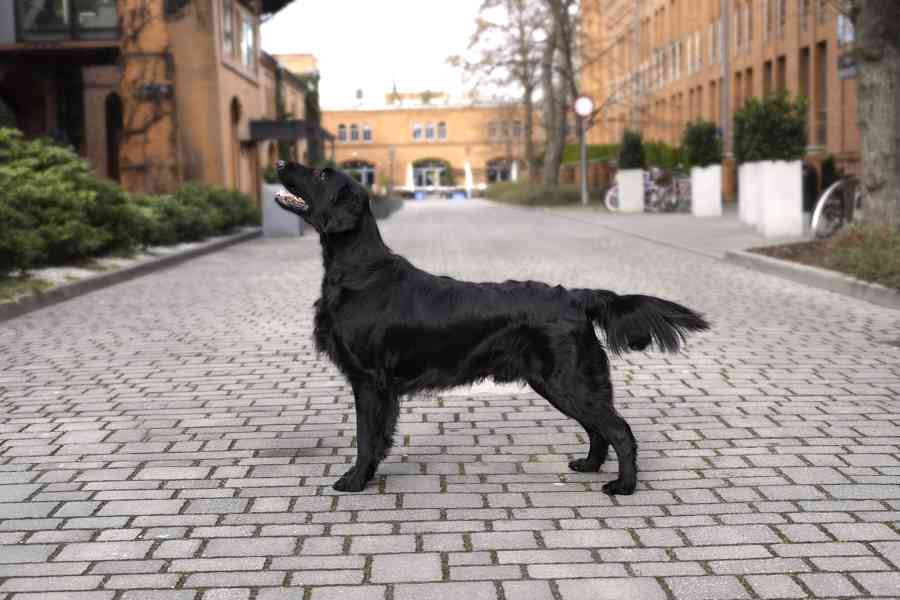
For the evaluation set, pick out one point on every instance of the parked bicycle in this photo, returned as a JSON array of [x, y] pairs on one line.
[[664, 191], [839, 206]]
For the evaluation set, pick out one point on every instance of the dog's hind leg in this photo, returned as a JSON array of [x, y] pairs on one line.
[[368, 439], [599, 447]]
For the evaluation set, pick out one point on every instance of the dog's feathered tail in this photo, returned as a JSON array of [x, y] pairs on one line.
[[632, 323]]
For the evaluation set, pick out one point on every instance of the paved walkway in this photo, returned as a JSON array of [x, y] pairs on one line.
[[710, 236], [175, 437]]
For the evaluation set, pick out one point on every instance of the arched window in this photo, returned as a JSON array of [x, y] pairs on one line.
[[360, 170], [342, 133], [417, 131], [354, 132], [367, 133], [429, 131], [442, 131], [498, 169]]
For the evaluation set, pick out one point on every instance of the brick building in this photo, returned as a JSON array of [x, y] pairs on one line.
[[661, 63], [139, 87], [428, 141]]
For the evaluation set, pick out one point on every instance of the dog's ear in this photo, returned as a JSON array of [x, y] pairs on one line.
[[346, 210]]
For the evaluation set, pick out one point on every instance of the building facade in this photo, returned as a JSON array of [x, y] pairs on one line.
[[658, 64], [427, 142], [151, 92]]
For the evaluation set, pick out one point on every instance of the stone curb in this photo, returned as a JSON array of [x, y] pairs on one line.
[[34, 302], [816, 277]]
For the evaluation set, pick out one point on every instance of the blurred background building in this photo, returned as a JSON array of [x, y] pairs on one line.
[[155, 92], [658, 64]]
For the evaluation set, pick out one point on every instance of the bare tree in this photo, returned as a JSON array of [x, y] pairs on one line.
[[507, 45]]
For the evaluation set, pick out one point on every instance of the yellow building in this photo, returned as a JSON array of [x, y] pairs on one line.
[[151, 102], [658, 64], [428, 142]]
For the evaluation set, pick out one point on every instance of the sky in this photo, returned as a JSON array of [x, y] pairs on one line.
[[368, 44]]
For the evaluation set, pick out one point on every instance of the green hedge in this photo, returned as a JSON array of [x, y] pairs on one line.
[[527, 194], [701, 144], [53, 210], [631, 152], [771, 128], [657, 154]]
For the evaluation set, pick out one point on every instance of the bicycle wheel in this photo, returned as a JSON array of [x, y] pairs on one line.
[[832, 212], [611, 199]]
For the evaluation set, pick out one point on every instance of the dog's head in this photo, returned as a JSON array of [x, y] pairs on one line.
[[329, 200]]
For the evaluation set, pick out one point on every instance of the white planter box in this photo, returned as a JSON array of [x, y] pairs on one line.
[[706, 191], [782, 199], [631, 190], [276, 221], [748, 193]]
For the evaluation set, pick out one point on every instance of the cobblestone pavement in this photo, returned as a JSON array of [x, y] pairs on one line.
[[175, 437]]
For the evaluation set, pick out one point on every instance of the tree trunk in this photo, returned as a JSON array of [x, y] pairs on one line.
[[530, 159], [878, 55], [554, 113]]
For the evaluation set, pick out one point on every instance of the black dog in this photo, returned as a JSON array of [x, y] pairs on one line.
[[394, 329]]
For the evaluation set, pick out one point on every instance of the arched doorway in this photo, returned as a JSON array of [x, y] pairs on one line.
[[432, 172], [235, 112], [113, 108], [499, 169], [360, 170]]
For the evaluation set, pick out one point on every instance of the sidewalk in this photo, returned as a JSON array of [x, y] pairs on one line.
[[709, 236]]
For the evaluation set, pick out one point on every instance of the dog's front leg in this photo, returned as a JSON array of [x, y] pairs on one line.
[[368, 438]]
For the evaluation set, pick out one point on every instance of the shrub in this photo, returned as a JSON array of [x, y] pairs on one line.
[[270, 175], [773, 128], [595, 152], [701, 144], [526, 194], [631, 153], [54, 210]]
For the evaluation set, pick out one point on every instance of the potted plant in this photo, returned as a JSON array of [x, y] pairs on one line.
[[702, 147], [630, 177], [769, 143]]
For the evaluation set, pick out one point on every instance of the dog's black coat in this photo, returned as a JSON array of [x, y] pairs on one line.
[[394, 329]]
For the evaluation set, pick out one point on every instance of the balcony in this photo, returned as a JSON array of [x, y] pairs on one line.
[[65, 20]]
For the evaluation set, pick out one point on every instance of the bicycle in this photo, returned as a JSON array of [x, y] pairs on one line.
[[659, 195], [840, 205]]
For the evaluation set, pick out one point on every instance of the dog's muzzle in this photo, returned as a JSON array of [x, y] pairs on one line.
[[287, 200]]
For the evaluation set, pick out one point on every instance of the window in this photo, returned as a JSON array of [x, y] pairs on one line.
[[499, 170], [781, 16], [354, 132], [429, 131], [442, 131], [804, 14], [517, 129], [366, 133], [821, 99], [46, 20], [504, 129], [846, 33], [821, 10], [767, 78], [228, 27], [781, 74], [342, 133], [492, 130], [417, 131], [248, 43]]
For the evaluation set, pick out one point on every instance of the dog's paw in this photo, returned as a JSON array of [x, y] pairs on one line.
[[617, 488], [584, 465], [350, 482]]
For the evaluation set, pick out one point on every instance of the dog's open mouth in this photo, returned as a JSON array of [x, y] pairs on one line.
[[290, 201]]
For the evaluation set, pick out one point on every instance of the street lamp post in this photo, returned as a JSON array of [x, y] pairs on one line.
[[584, 105]]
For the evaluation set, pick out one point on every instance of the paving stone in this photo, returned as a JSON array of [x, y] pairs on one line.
[[390, 568], [445, 591], [104, 551], [828, 584], [775, 586], [250, 547], [879, 584], [704, 588], [611, 588], [366, 592]]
